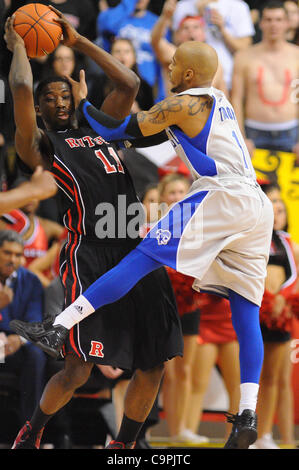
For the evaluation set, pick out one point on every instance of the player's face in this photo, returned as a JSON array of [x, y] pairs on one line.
[[176, 75], [56, 106], [11, 258], [274, 24], [174, 192]]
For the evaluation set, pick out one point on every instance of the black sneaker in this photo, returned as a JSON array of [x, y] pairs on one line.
[[45, 335], [120, 445], [25, 440], [244, 432]]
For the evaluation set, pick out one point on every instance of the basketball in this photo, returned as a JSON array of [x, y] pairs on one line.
[[34, 23]]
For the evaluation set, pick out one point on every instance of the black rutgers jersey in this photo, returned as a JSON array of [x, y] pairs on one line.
[[97, 194]]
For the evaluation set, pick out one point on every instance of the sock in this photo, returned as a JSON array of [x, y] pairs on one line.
[[129, 430], [249, 392], [73, 314], [246, 322], [39, 420], [110, 287]]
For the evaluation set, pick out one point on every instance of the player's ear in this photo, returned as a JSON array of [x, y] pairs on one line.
[[189, 74]]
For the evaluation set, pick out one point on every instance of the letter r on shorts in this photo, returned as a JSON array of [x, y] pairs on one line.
[[96, 349]]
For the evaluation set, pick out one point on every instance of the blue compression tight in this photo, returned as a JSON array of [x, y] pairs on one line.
[[245, 315], [245, 319], [117, 282]]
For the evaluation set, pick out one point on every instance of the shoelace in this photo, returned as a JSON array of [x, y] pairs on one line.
[[237, 419], [231, 418]]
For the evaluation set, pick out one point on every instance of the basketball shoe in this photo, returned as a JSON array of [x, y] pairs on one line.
[[120, 445], [244, 432], [25, 440], [45, 335]]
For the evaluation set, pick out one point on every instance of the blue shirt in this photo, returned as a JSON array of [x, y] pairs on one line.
[[27, 303], [121, 22]]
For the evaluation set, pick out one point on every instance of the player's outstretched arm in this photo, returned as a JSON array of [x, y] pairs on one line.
[[28, 134], [168, 112], [126, 83]]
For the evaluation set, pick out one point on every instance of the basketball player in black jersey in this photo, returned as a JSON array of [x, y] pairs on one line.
[[140, 331]]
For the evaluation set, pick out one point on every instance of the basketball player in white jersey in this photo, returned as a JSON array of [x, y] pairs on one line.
[[220, 233]]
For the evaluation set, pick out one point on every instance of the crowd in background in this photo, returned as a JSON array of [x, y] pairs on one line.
[[144, 35]]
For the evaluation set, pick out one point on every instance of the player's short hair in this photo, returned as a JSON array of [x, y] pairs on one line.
[[273, 5], [40, 88], [10, 236]]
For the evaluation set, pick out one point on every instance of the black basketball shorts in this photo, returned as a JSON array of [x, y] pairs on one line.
[[139, 331]]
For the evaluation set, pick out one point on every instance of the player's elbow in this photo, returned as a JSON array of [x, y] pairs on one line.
[[133, 82], [20, 84]]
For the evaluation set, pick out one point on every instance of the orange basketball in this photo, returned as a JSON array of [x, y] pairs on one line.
[[34, 23]]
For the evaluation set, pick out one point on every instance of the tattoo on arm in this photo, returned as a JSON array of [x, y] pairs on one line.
[[169, 109], [159, 113], [198, 105]]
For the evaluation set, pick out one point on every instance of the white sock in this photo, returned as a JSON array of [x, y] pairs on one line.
[[74, 313], [249, 392]]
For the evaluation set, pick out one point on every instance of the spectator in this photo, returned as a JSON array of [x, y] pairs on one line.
[[262, 86], [36, 231], [292, 9], [123, 50], [62, 62], [191, 28], [229, 27], [150, 201], [21, 297], [46, 268], [275, 314], [132, 20], [178, 371], [217, 345]]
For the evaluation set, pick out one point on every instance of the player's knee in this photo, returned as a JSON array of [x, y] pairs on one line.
[[75, 376], [153, 375]]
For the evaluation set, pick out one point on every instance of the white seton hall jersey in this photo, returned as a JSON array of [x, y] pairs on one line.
[[220, 232], [219, 149]]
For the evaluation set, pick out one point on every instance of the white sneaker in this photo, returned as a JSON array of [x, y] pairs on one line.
[[266, 442], [188, 436]]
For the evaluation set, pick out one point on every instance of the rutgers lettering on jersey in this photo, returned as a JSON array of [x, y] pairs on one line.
[[87, 141]]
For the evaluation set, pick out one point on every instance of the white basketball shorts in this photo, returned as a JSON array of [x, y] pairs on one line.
[[220, 236]]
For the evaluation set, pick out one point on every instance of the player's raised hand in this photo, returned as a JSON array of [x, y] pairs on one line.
[[12, 38], [79, 89], [70, 35]]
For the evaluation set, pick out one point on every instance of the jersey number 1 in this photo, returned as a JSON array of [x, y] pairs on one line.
[[241, 148], [109, 168]]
